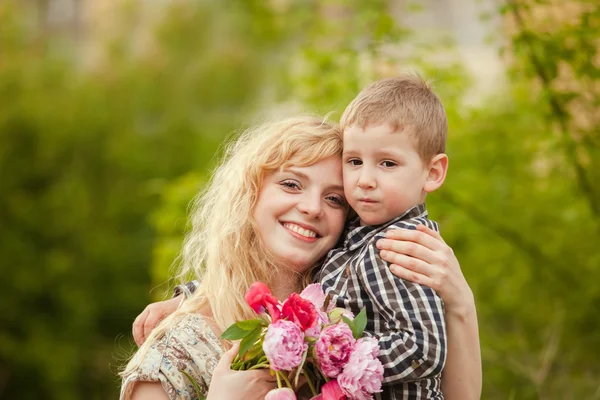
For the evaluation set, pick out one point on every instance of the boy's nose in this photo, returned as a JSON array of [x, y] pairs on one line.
[[366, 180]]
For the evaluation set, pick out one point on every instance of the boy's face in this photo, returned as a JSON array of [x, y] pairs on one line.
[[384, 175]]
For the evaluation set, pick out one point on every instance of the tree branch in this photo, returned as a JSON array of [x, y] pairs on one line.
[[559, 114], [550, 267]]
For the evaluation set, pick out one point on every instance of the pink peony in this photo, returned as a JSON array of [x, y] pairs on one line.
[[284, 345], [281, 394], [332, 391], [333, 349], [363, 374], [259, 298], [316, 330], [314, 294], [300, 311]]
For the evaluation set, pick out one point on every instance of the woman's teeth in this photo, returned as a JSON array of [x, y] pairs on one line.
[[301, 231]]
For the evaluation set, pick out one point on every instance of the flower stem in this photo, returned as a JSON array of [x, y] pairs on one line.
[[278, 379], [287, 381], [310, 384], [259, 366]]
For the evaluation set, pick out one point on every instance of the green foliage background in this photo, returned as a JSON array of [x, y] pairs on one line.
[[98, 164]]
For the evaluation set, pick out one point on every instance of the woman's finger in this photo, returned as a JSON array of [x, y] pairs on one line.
[[410, 263], [431, 232], [264, 375], [407, 248], [412, 236], [138, 327], [412, 276]]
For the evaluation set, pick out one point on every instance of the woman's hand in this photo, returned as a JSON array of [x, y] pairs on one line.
[[151, 316], [244, 385], [422, 256]]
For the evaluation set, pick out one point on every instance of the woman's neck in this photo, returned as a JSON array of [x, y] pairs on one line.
[[285, 283]]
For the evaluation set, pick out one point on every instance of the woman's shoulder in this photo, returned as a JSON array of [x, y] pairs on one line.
[[189, 346]]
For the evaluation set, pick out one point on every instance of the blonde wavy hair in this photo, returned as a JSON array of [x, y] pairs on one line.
[[223, 249]]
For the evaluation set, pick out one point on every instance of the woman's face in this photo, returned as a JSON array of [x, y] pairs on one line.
[[301, 211]]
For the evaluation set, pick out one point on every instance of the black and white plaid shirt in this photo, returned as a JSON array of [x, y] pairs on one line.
[[406, 318]]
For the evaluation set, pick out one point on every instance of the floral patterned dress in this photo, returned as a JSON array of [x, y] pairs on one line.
[[190, 346]]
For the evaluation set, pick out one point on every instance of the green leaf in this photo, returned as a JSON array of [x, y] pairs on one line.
[[249, 341], [235, 332], [351, 325], [254, 352], [195, 384], [360, 323], [249, 325]]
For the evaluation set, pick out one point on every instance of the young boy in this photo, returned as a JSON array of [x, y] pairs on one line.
[[394, 142]]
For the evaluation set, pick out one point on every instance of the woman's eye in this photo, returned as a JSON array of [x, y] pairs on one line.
[[337, 200], [290, 184], [389, 164]]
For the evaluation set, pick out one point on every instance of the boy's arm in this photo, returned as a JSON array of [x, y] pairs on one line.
[[156, 312], [187, 289], [412, 333]]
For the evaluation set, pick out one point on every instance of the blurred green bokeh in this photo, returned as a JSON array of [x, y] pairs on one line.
[[99, 159]]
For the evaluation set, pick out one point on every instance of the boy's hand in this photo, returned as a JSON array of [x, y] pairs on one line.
[[151, 316], [244, 385]]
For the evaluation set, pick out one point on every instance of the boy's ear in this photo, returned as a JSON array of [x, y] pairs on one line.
[[438, 167]]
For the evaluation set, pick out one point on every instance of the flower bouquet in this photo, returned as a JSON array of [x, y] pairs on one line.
[[305, 336]]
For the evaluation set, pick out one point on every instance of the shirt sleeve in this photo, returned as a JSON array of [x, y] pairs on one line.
[[189, 347], [410, 328], [187, 289]]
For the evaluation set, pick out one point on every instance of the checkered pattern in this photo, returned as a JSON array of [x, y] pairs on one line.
[[406, 318]]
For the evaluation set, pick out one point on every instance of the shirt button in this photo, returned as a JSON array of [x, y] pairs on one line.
[[415, 364], [347, 272]]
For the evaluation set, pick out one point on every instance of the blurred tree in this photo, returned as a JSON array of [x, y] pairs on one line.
[[84, 156], [98, 165]]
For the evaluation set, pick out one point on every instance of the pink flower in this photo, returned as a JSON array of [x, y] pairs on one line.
[[363, 374], [300, 311], [259, 298], [284, 345], [332, 391], [314, 294], [333, 349], [281, 394], [316, 330]]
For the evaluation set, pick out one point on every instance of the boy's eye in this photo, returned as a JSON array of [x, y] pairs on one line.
[[290, 184], [355, 161], [388, 164]]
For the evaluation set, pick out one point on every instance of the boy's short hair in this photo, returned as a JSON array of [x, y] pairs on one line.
[[403, 102]]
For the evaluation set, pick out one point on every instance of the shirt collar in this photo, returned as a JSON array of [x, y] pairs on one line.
[[357, 235]]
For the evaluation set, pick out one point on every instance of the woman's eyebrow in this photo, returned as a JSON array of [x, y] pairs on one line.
[[306, 177], [297, 173]]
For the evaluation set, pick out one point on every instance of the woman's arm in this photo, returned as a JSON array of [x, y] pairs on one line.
[[149, 391], [423, 257]]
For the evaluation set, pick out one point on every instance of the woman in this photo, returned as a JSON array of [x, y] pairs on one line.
[[286, 172]]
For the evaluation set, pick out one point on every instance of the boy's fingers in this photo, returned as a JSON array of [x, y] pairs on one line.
[[151, 322], [138, 327]]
